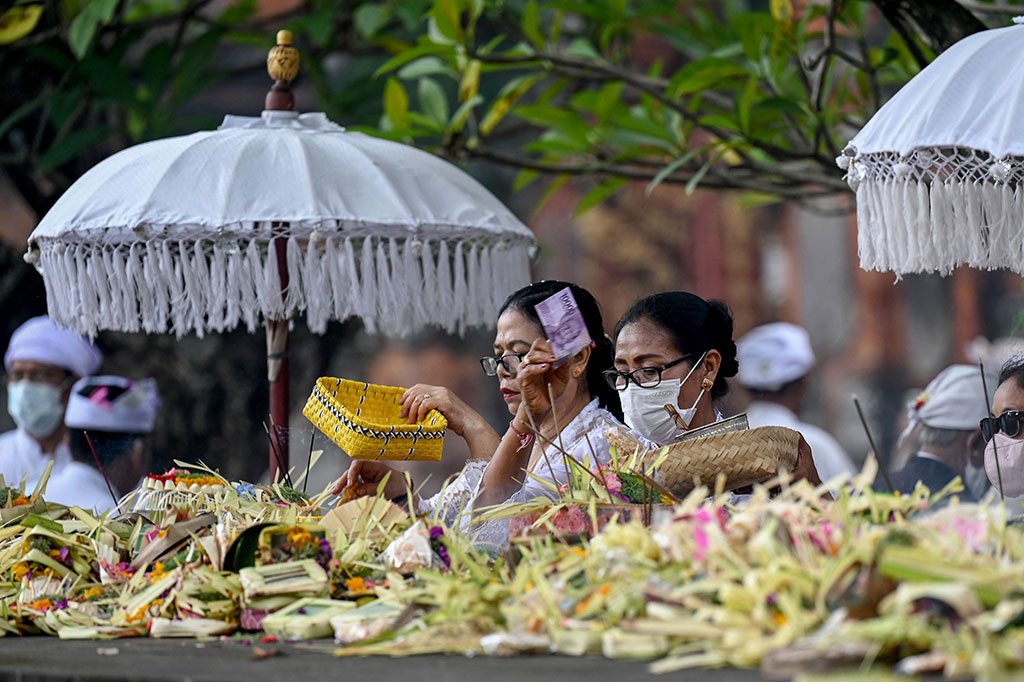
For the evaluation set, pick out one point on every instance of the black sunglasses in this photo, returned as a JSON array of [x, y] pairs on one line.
[[1008, 422]]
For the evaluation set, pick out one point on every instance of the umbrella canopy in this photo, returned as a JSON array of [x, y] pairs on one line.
[[174, 235], [938, 170]]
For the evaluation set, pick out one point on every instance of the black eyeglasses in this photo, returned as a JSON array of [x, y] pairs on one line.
[[1008, 422], [645, 377], [510, 361]]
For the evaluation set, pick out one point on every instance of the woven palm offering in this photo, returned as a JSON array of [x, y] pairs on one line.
[[744, 457], [363, 419]]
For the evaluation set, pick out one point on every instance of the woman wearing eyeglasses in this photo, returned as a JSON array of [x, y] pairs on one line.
[[675, 348], [527, 461], [1004, 432]]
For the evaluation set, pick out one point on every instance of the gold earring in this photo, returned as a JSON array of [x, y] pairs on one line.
[[576, 372], [706, 384]]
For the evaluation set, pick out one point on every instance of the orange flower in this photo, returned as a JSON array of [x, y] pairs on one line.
[[355, 585], [20, 570]]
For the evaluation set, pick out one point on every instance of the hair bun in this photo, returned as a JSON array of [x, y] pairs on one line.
[[722, 323]]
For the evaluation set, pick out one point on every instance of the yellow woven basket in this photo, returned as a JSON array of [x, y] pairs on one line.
[[744, 457], [363, 420]]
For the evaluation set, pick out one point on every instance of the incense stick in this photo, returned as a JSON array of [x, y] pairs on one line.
[[558, 430], [282, 471], [882, 466], [995, 448], [102, 471], [309, 459]]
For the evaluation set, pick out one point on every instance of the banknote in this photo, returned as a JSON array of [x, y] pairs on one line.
[[563, 324]]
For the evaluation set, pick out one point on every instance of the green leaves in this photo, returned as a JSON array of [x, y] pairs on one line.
[[396, 103], [94, 14]]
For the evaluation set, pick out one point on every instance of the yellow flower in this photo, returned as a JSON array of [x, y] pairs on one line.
[[20, 570], [299, 536], [157, 572]]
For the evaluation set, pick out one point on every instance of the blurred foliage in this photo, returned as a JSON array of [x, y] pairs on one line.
[[740, 94]]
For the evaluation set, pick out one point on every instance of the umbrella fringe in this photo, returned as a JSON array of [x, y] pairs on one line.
[[395, 285], [934, 210]]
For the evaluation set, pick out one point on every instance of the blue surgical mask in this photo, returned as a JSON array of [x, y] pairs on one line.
[[35, 407]]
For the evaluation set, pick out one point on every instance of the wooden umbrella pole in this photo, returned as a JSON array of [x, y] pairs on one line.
[[283, 67], [277, 369]]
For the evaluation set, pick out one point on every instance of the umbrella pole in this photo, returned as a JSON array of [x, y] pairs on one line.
[[277, 370], [283, 67]]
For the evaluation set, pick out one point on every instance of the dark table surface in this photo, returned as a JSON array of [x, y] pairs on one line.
[[45, 659]]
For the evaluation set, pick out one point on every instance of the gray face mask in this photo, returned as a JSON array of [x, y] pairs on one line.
[[35, 407]]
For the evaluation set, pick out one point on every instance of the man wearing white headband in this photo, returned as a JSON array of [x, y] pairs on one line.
[[42, 361], [775, 360], [944, 428], [109, 419]]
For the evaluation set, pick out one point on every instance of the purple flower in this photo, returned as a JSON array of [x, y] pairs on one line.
[[62, 604], [442, 552], [64, 552], [436, 533]]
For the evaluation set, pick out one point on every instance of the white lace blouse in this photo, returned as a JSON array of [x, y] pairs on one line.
[[583, 438]]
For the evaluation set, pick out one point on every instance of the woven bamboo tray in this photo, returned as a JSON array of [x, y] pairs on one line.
[[363, 419], [744, 457]]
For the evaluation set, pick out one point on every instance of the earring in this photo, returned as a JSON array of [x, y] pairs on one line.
[[576, 372], [706, 384]]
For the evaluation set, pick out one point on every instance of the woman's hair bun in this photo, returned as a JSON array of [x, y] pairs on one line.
[[721, 318]]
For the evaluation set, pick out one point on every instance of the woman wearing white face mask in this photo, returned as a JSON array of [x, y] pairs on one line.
[[675, 348], [1004, 433]]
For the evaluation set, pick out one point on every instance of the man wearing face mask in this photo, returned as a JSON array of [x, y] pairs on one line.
[[943, 426], [775, 360], [42, 362]]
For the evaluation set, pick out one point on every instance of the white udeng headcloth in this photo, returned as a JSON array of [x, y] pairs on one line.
[[40, 340], [112, 403]]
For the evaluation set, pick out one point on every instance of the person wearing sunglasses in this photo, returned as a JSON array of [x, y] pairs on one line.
[[527, 461], [677, 349], [943, 432], [1003, 431]]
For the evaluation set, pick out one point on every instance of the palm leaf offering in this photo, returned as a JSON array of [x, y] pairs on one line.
[[786, 580]]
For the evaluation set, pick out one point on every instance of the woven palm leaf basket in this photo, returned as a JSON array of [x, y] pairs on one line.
[[744, 457], [363, 419]]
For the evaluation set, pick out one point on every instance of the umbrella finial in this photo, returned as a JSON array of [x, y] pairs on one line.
[[283, 67]]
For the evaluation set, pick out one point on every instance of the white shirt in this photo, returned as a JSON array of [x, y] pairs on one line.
[[453, 502], [829, 457], [20, 455], [79, 485]]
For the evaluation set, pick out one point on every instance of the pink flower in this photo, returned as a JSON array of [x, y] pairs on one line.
[[571, 520], [703, 543], [613, 483]]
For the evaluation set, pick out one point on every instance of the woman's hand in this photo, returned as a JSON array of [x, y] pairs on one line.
[[536, 373], [417, 401], [805, 467], [364, 477], [481, 438]]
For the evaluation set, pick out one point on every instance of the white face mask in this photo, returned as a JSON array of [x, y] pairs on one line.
[[644, 408], [1011, 464], [35, 407]]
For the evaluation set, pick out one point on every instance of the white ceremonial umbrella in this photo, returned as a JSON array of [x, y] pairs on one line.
[[267, 218], [938, 170], [172, 235]]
